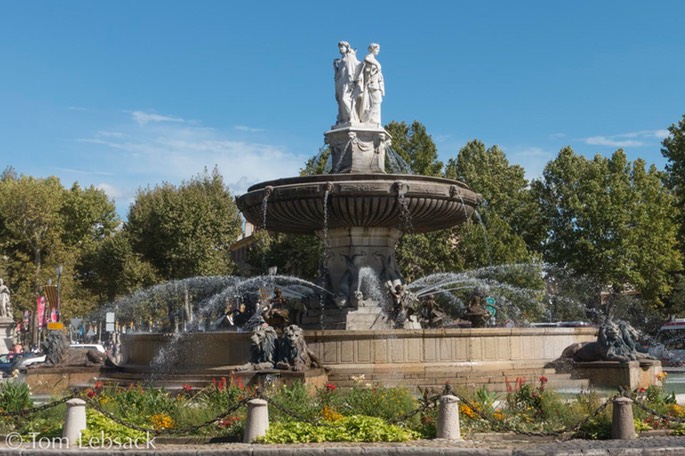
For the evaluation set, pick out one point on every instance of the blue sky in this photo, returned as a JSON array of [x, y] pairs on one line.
[[126, 94]]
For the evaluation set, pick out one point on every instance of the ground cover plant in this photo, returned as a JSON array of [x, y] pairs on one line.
[[361, 413]]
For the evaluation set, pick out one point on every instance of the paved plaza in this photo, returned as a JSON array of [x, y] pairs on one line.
[[483, 444]]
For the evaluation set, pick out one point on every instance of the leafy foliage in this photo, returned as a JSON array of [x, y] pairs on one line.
[[355, 428], [674, 151], [610, 220], [187, 230], [43, 225]]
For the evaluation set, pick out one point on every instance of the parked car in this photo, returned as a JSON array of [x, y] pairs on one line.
[[670, 343], [8, 361], [97, 347], [30, 360]]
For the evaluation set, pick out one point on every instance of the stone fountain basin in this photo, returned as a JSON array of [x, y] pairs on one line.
[[408, 202]]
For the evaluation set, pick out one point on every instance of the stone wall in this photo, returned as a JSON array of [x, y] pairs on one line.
[[386, 357]]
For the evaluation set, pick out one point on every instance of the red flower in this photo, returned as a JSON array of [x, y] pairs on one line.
[[99, 385], [330, 387], [228, 421], [543, 380], [90, 393], [187, 388]]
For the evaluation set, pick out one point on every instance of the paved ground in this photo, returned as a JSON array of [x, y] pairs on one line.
[[490, 445]]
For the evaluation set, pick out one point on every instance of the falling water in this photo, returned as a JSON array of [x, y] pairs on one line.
[[336, 168], [395, 163], [405, 215], [324, 257], [265, 202], [485, 236]]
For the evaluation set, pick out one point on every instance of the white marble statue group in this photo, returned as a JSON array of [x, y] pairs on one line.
[[359, 86]]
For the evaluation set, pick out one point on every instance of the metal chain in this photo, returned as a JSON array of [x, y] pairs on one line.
[[157, 432], [502, 427], [193, 429], [660, 415], [118, 420], [298, 417], [31, 411], [426, 404]]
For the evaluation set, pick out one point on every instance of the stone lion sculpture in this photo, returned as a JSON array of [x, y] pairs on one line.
[[58, 353], [262, 350], [615, 342], [293, 353]]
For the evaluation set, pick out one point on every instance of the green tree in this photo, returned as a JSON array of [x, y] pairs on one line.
[[112, 269], [674, 151], [416, 147], [187, 230], [506, 193], [43, 225], [609, 220], [31, 236]]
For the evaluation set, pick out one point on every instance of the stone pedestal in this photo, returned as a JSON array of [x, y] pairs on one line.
[[357, 148], [633, 374], [365, 318], [350, 250], [7, 329]]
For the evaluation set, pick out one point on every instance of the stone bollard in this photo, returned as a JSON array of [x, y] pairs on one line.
[[74, 420], [257, 421], [622, 425], [448, 418]]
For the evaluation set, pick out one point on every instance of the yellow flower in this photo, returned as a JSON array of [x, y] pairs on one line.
[[467, 411], [161, 421], [329, 414], [661, 376], [676, 410]]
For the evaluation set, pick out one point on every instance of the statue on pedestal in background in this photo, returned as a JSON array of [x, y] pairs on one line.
[[5, 305]]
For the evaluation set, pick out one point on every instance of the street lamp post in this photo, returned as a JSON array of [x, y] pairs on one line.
[[58, 270]]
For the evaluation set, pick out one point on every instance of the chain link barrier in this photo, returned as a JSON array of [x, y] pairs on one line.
[[40, 408], [427, 402], [653, 412], [175, 431], [502, 427]]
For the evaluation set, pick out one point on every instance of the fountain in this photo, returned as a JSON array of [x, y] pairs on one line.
[[359, 209], [360, 212]]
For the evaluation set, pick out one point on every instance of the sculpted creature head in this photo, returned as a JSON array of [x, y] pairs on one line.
[[293, 353], [263, 346]]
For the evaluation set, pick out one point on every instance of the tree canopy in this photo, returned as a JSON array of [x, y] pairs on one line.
[[611, 220], [187, 230]]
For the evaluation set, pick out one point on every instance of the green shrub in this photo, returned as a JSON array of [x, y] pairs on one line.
[[14, 396], [99, 425], [348, 429]]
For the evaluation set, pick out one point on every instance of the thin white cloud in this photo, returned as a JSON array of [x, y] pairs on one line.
[[557, 135], [84, 172], [109, 134], [248, 129], [113, 191], [175, 151], [609, 141], [532, 160], [630, 139], [143, 118], [662, 134]]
